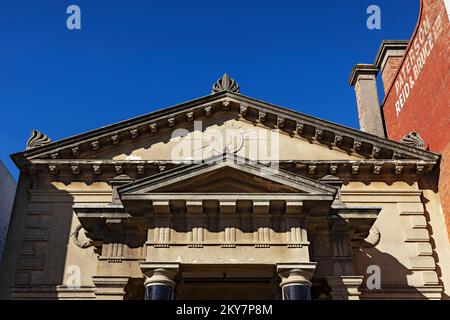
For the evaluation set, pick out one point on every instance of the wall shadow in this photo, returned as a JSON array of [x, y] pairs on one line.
[[39, 233]]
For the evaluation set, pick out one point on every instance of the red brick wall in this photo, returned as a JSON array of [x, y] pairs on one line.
[[418, 98], [390, 71]]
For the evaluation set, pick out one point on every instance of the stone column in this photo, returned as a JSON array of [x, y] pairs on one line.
[[110, 287], [345, 287], [295, 281], [160, 284]]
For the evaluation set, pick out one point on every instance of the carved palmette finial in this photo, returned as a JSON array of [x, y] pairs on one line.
[[37, 139], [413, 139], [225, 84]]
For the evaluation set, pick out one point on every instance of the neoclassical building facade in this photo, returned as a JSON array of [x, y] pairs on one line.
[[225, 197]]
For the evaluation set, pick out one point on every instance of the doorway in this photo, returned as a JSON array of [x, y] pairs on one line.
[[249, 282]]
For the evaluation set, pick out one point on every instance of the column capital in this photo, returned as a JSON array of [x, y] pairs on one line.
[[159, 280], [296, 273], [160, 273], [345, 287], [160, 276]]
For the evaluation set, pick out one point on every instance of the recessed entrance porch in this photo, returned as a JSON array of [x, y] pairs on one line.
[[228, 282], [222, 282]]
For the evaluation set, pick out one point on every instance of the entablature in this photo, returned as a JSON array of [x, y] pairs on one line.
[[79, 170]]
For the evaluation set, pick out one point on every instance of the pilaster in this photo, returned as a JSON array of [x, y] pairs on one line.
[[345, 287], [110, 287]]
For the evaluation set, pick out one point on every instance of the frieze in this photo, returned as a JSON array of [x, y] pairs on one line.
[[80, 169]]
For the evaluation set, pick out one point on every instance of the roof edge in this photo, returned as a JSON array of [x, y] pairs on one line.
[[20, 158]]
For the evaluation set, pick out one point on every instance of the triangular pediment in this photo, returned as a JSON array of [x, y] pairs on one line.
[[227, 179], [225, 132], [149, 137], [226, 174]]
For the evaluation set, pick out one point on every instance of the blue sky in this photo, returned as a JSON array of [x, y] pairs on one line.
[[132, 57]]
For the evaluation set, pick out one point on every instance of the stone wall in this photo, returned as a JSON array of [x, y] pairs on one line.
[[7, 192]]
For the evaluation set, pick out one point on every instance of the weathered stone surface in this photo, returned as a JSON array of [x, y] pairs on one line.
[[121, 207]]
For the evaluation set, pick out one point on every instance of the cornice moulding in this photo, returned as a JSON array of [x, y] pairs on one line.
[[151, 168], [393, 47], [317, 130]]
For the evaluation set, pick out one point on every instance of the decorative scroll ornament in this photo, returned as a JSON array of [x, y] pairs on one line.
[[413, 139], [37, 139], [225, 84], [78, 242], [372, 239]]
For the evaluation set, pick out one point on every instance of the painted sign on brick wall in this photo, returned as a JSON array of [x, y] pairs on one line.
[[416, 59]]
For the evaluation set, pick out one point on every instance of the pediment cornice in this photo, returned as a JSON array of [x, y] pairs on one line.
[[296, 124], [82, 169], [164, 181]]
